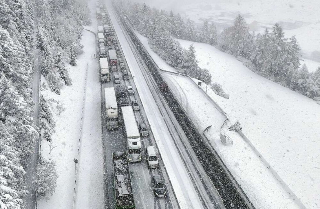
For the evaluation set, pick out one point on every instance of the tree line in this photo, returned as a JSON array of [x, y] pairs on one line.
[[50, 30], [269, 54], [154, 25]]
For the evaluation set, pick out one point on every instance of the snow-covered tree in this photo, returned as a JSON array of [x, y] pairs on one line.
[[316, 77], [302, 82], [11, 171], [47, 123], [52, 27], [237, 39], [46, 178]]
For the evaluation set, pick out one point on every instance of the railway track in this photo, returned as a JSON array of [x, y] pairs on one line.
[[231, 193]]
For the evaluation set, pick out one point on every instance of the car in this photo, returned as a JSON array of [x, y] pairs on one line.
[[103, 52], [135, 105], [113, 68], [121, 91], [125, 75], [122, 66], [143, 130], [124, 101], [158, 185], [152, 158], [116, 79], [130, 90]]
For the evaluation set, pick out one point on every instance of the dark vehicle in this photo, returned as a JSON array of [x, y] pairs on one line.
[[143, 130], [122, 181], [116, 79], [103, 52], [124, 101], [158, 185], [130, 90], [125, 74], [121, 91], [135, 105], [163, 87], [123, 67]]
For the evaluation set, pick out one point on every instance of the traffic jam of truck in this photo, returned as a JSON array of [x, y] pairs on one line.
[[120, 111]]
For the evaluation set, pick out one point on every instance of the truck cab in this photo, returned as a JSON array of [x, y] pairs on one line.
[[152, 158]]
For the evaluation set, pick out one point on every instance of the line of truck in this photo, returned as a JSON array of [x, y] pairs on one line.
[[120, 107]]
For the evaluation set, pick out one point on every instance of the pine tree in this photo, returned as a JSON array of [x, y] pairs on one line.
[[11, 171], [46, 178], [237, 39], [190, 33], [213, 34], [316, 77]]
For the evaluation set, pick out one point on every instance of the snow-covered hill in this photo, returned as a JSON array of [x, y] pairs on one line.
[[282, 125], [298, 18]]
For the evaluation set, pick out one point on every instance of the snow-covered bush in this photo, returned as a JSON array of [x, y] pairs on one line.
[[46, 181], [217, 88], [47, 123]]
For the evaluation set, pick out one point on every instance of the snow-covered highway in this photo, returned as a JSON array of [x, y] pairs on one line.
[[189, 192]]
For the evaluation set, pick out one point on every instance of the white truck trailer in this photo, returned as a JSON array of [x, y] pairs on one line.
[[132, 133], [111, 108], [104, 70], [113, 57], [100, 29]]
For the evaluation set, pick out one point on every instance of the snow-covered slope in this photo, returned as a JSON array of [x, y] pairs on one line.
[[282, 125], [298, 18]]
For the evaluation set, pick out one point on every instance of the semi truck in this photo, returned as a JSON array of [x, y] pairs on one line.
[[104, 70], [122, 181], [132, 133], [111, 110], [113, 57]]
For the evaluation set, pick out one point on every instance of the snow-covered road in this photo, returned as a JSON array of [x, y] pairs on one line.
[[185, 192], [79, 120], [90, 167]]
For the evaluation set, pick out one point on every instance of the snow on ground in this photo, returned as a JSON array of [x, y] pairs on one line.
[[298, 18], [68, 132], [246, 167], [282, 125]]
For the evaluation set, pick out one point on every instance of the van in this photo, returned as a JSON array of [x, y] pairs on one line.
[[158, 185], [116, 79], [152, 158]]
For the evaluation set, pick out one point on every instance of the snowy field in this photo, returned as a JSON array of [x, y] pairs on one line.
[[298, 18], [282, 125], [81, 118]]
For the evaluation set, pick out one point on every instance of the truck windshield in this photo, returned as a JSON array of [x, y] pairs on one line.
[[153, 158], [134, 151]]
